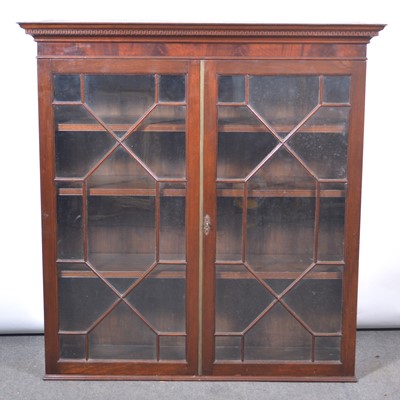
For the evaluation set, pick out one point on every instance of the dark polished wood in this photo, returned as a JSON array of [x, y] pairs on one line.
[[248, 33], [49, 215], [201, 53]]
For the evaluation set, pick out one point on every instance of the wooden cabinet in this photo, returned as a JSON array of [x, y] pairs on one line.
[[201, 199]]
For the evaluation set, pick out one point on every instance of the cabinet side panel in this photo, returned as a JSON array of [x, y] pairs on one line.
[[352, 230], [48, 198]]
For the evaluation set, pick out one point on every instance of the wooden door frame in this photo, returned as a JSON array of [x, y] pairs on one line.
[[56, 368], [286, 370]]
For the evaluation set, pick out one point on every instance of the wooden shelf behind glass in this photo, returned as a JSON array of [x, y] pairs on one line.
[[171, 192], [112, 265], [180, 127]]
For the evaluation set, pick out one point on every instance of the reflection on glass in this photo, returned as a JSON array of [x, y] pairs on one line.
[[284, 101], [172, 228], [67, 88], [119, 99], [278, 336], [322, 142], [122, 334], [172, 88], [336, 89], [228, 348], [280, 234], [327, 348], [239, 299], [82, 302], [69, 227], [172, 348], [72, 346], [231, 89]]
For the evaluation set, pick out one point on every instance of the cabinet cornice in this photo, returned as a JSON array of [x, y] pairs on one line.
[[43, 31]]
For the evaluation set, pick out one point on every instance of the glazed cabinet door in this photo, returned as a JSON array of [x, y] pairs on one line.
[[282, 175], [121, 270]]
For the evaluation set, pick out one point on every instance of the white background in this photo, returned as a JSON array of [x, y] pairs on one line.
[[21, 304]]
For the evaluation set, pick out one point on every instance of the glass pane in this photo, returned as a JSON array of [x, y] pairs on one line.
[[121, 171], [284, 101], [173, 189], [160, 142], [276, 284], [238, 119], [72, 346], [331, 223], [282, 171], [172, 228], [122, 284], [278, 336], [231, 89], [240, 298], [243, 142], [327, 348], [322, 142], [121, 232], [69, 227], [280, 234], [65, 267], [164, 118], [172, 348], [228, 348], [239, 153], [172, 88], [67, 88], [67, 114], [82, 301], [318, 302], [77, 153], [122, 335], [325, 271], [336, 89], [119, 99], [229, 228], [163, 153], [161, 298]]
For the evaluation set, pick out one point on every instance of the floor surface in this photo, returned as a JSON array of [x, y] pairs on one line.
[[378, 371]]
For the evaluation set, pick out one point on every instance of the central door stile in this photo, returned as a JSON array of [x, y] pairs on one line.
[[193, 250], [201, 218], [209, 210]]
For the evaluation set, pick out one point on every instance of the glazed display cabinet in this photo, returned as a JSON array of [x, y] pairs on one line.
[[201, 199]]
